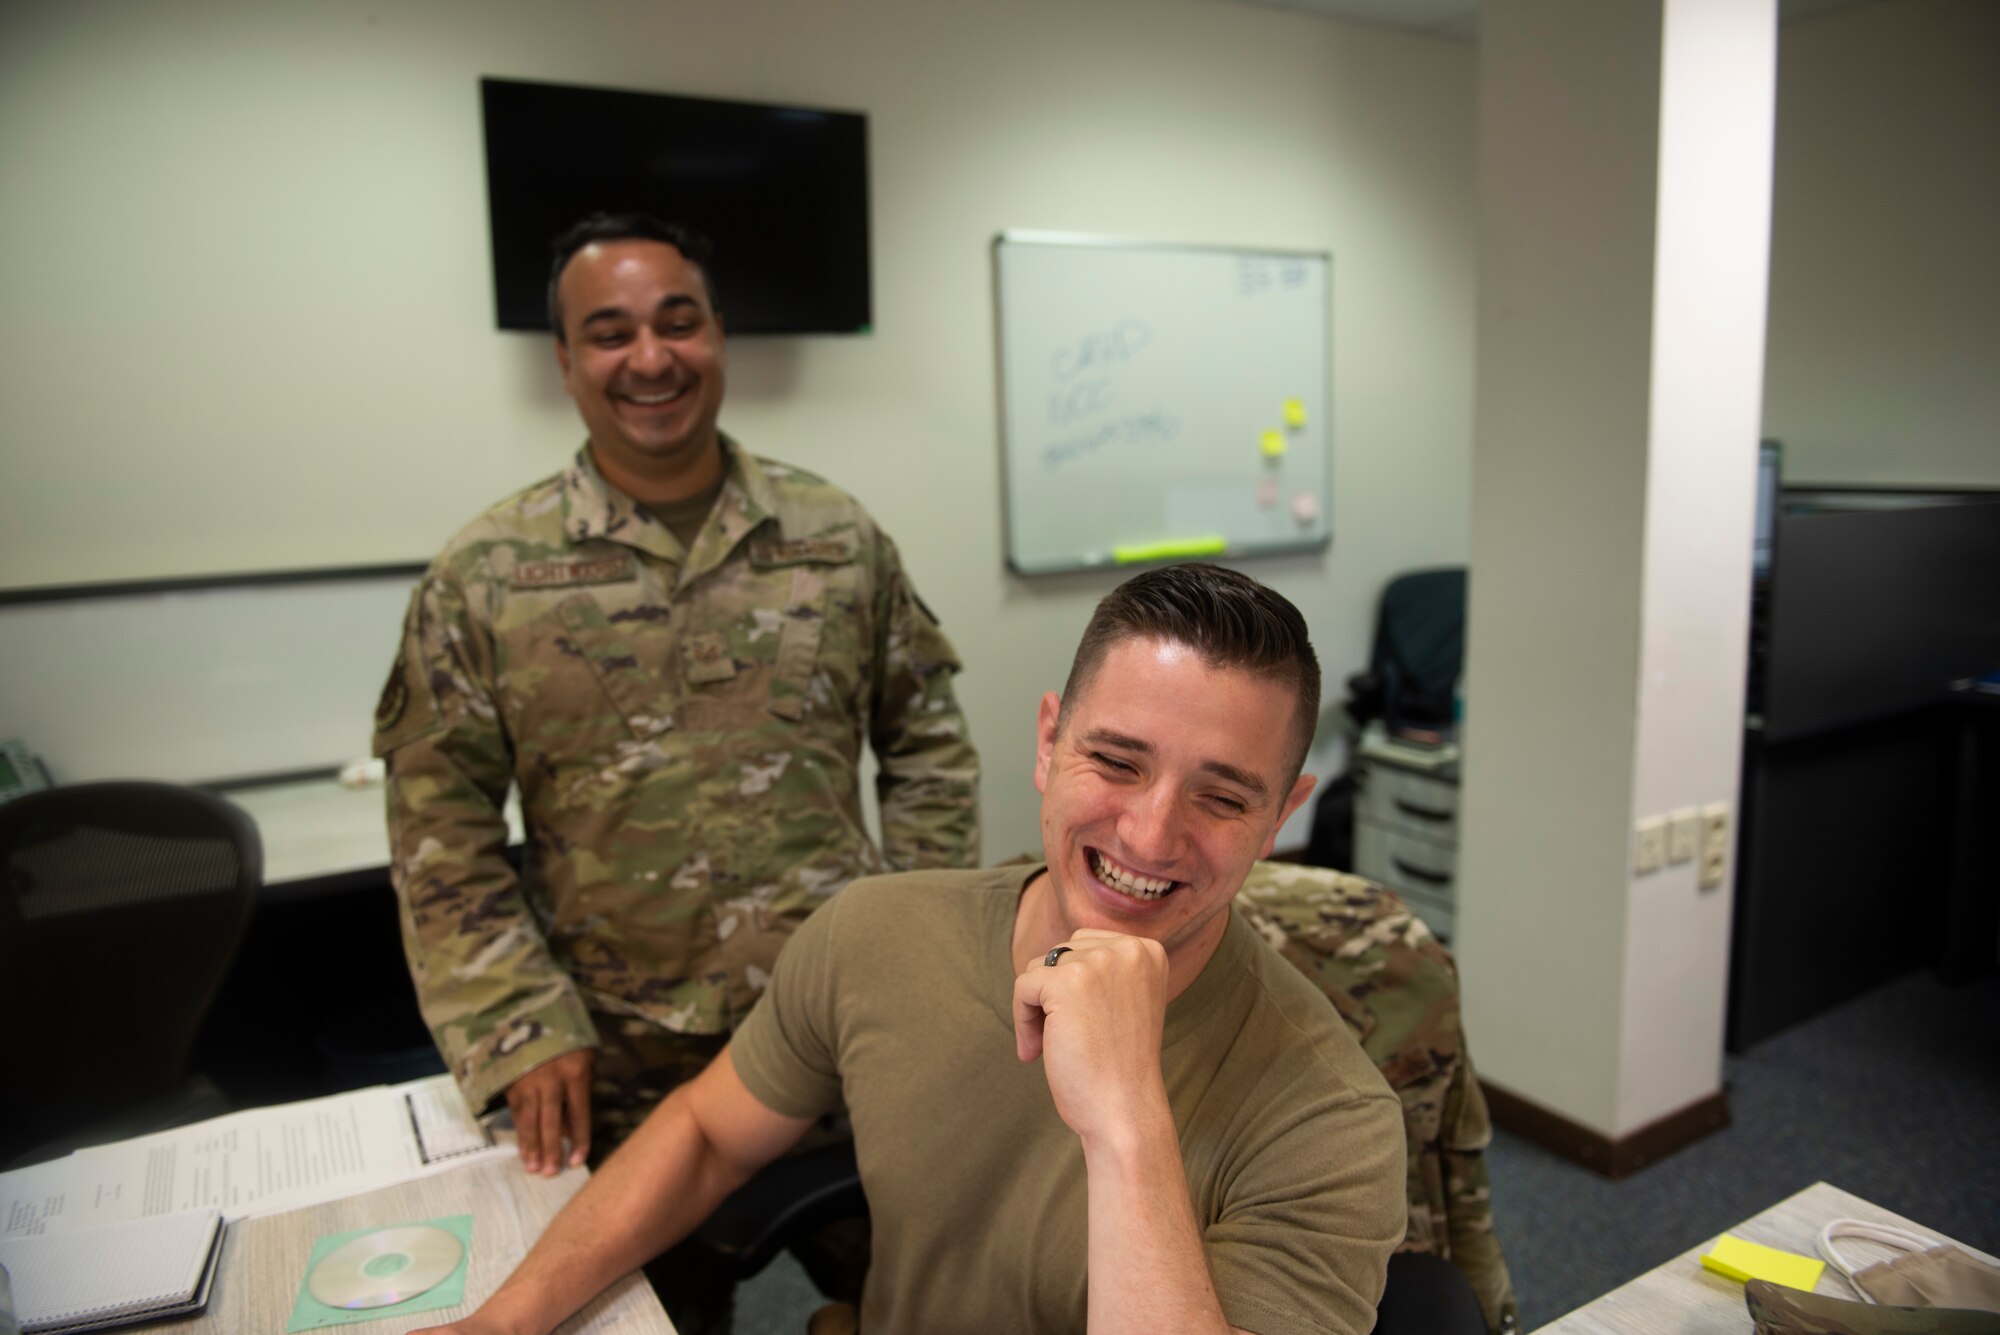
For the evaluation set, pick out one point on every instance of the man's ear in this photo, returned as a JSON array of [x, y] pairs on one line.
[[562, 359], [1047, 720], [1301, 790]]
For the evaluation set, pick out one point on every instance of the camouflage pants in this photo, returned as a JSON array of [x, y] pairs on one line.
[[637, 1065]]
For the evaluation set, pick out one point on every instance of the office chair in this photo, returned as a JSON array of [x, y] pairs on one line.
[[1417, 655], [1410, 683], [1396, 987], [121, 909], [787, 1200]]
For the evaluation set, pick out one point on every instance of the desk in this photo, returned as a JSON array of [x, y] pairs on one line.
[[1682, 1298], [320, 837], [264, 1260]]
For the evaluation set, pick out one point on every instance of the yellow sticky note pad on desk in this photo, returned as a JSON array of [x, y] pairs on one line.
[[1742, 1261], [1295, 413], [1273, 444]]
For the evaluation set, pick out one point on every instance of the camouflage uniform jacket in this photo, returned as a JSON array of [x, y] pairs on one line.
[[1396, 986], [685, 729]]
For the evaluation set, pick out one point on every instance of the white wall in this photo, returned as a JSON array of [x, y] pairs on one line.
[[1884, 359], [248, 320]]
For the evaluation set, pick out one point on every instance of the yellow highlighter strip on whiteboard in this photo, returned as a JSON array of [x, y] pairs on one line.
[[1169, 551]]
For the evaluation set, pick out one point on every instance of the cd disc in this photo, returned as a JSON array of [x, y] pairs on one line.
[[390, 1265]]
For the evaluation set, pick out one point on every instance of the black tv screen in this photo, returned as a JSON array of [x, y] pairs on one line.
[[781, 191]]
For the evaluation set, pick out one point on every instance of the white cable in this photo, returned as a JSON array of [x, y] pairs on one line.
[[1886, 1234]]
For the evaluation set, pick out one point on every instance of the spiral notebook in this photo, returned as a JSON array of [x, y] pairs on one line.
[[113, 1275]]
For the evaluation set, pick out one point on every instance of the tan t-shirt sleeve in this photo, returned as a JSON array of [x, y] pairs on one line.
[[785, 1050], [1318, 1219]]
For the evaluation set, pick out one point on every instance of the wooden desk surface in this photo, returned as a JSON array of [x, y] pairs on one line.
[[1681, 1298], [264, 1260]]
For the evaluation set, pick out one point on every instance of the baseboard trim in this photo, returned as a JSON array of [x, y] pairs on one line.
[[1613, 1158]]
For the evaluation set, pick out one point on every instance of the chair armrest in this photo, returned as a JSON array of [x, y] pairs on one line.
[[787, 1200]]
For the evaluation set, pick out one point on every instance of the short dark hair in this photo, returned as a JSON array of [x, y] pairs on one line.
[[1231, 620], [695, 248]]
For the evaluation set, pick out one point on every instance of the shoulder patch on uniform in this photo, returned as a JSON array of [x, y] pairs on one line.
[[800, 551], [561, 574], [395, 694]]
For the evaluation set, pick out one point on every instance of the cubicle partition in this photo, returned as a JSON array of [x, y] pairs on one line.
[[1862, 845], [200, 681]]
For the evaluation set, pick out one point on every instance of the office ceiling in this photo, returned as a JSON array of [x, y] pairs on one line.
[[1460, 18]]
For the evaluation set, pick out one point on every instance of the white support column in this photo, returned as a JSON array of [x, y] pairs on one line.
[[1625, 168]]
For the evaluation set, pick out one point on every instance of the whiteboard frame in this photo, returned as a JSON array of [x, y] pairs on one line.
[[1037, 237]]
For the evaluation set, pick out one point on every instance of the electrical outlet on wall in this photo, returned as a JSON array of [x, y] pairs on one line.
[[1714, 844], [1683, 835], [1650, 854]]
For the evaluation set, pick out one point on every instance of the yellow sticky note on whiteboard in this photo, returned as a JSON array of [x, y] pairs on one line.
[[1741, 1261], [1274, 444], [1295, 413]]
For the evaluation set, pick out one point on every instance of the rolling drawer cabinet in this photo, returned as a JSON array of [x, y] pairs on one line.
[[1406, 823]]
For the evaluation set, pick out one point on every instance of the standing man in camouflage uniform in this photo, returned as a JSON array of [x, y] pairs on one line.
[[675, 650]]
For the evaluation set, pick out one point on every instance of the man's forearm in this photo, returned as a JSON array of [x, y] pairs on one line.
[[1148, 1267], [649, 1195]]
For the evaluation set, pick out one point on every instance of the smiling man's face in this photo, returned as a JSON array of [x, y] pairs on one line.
[[642, 354], [1161, 786]]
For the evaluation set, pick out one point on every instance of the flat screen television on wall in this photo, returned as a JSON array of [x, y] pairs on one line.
[[781, 191]]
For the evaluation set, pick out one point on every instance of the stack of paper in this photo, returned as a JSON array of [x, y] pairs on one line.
[[113, 1275], [253, 1163]]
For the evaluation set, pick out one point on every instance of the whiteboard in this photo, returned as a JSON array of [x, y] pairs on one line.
[[1160, 402]]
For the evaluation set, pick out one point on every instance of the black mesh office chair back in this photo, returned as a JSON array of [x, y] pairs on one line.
[[122, 906], [1418, 653]]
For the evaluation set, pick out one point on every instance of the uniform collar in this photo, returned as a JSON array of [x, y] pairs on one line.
[[594, 509]]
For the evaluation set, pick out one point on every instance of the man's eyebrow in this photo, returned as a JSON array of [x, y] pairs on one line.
[[1106, 737], [1221, 769], [1241, 777], [613, 314]]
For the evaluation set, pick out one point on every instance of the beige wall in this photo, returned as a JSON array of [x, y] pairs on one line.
[[1884, 358], [247, 322]]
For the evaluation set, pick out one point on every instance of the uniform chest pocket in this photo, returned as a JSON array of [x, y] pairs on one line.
[[622, 649], [820, 577]]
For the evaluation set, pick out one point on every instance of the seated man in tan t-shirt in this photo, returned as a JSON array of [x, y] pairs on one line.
[[1085, 1094]]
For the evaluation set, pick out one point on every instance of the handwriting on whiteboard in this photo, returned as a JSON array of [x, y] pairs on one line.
[[1104, 349], [1154, 426], [1258, 274], [1085, 370]]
